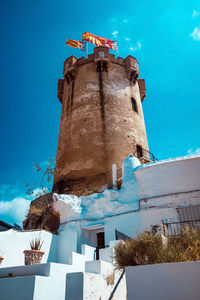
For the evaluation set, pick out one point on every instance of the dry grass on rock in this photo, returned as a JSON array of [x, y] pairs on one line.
[[110, 279], [148, 248]]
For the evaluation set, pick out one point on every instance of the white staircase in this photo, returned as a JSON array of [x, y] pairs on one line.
[[83, 278]]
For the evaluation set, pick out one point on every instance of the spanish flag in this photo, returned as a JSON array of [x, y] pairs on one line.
[[99, 41], [76, 44]]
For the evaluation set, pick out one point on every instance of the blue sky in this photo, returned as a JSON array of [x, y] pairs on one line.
[[164, 36]]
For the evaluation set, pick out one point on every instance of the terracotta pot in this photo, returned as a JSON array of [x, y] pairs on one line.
[[33, 257], [1, 259]]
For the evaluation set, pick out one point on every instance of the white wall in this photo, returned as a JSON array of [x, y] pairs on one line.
[[109, 209], [152, 212], [17, 288], [128, 224], [155, 210], [160, 187], [168, 176], [155, 216], [13, 243], [173, 281], [73, 235], [89, 236], [67, 242], [94, 284], [35, 282], [172, 200]]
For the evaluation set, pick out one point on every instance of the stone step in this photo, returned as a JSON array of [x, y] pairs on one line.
[[88, 251], [97, 266], [39, 269]]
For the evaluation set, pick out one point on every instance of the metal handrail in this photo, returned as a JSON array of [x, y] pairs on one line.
[[121, 236], [97, 251], [147, 154]]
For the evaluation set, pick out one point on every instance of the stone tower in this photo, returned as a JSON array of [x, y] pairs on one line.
[[101, 121]]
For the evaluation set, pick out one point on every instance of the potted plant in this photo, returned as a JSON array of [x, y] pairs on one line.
[[1, 257], [34, 256]]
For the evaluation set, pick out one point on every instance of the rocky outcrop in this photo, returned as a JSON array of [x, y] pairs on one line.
[[42, 215]]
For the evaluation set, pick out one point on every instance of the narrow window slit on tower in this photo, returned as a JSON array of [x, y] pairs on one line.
[[67, 79], [105, 66], [134, 104], [98, 66], [72, 93]]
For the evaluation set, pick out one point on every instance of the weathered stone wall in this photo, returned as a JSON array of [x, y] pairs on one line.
[[98, 125]]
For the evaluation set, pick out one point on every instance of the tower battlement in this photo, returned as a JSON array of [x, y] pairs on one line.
[[101, 120], [101, 58]]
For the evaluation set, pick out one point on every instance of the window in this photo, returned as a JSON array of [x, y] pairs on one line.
[[139, 151], [101, 54], [134, 104]]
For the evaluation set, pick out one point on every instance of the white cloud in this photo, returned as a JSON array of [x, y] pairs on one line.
[[192, 151], [125, 21], [14, 203], [115, 33], [196, 34], [127, 39], [16, 209], [136, 47], [195, 14]]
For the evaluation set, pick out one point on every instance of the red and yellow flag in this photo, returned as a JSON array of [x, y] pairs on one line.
[[89, 37], [99, 40], [75, 44]]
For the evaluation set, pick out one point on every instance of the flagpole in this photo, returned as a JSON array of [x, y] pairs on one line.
[[86, 49]]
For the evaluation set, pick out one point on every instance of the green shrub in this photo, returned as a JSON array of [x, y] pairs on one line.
[[148, 248]]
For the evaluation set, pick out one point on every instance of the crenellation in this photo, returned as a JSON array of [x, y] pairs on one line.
[[132, 68], [81, 60], [69, 62], [72, 63], [70, 69]]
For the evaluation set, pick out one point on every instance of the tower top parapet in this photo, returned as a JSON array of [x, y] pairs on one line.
[[102, 59]]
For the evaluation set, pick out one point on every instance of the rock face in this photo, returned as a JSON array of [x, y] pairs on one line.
[[42, 215], [101, 121]]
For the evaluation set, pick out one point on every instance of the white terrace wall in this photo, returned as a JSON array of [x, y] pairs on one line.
[[73, 235], [163, 208], [150, 193], [13, 243], [101, 281], [152, 212], [174, 281]]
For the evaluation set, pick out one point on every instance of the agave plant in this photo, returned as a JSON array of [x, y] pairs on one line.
[[36, 243]]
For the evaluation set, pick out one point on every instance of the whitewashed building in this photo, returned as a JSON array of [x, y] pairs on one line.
[[78, 261]]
